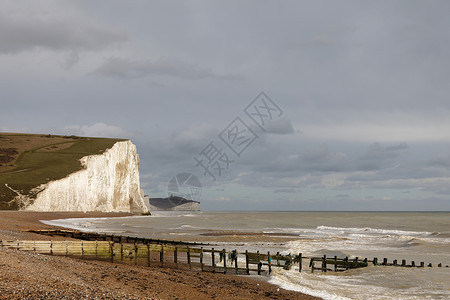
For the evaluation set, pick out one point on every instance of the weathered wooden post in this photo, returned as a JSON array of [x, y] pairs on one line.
[[335, 263], [224, 261], [136, 248], [175, 255], [311, 264], [111, 250], [161, 256], [82, 250], [430, 265], [346, 262], [299, 261], [213, 262], [269, 262], [413, 264], [375, 261], [201, 258], [403, 262], [324, 263], [51, 247], [188, 254], [394, 262], [422, 264], [440, 265], [247, 263], [385, 261]]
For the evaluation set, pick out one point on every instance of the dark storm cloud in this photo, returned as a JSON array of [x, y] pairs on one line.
[[32, 32]]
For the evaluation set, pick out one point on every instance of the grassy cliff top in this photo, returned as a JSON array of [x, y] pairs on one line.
[[28, 160]]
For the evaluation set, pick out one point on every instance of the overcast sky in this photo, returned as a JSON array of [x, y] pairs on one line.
[[355, 115]]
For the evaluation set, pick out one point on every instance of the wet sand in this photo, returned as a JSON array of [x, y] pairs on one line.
[[36, 276]]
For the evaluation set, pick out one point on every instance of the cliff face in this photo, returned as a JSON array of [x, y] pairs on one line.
[[109, 182]]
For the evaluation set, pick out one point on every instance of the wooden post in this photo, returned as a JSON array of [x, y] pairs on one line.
[[82, 250], [403, 262], [161, 256], [335, 263], [413, 264], [440, 265], [201, 258], [385, 261], [188, 254], [299, 262], [375, 261], [430, 265], [213, 263], [51, 247], [236, 262], [311, 264], [346, 262], [422, 264], [259, 268], [111, 249], [224, 261], [324, 263], [148, 255], [247, 263], [175, 255], [135, 253], [394, 262]]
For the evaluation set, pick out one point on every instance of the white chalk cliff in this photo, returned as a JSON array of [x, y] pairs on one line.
[[108, 182]]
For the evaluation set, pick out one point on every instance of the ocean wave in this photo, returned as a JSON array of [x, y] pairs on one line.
[[374, 230]]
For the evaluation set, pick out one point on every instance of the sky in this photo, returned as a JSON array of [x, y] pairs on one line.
[[271, 105]]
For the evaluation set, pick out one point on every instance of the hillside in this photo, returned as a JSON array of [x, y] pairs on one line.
[[29, 160]]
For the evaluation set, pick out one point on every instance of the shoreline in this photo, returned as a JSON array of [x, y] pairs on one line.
[[26, 274]]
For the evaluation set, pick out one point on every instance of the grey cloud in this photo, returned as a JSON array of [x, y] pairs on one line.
[[72, 59], [285, 190], [377, 156], [97, 130], [280, 126], [440, 161], [29, 33], [131, 69]]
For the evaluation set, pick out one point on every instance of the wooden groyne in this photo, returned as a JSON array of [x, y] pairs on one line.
[[194, 258], [191, 255], [88, 236]]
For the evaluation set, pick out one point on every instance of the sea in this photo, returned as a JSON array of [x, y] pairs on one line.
[[413, 236]]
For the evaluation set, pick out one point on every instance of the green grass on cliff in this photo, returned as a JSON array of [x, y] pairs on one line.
[[28, 160]]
